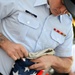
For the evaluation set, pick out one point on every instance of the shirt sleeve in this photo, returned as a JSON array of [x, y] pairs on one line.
[[7, 8], [65, 49]]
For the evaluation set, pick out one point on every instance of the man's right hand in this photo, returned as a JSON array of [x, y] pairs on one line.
[[14, 50]]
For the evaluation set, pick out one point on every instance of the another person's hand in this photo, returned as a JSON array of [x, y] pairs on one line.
[[42, 63], [57, 7], [14, 50]]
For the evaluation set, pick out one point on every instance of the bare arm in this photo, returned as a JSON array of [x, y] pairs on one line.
[[14, 50], [2, 39], [61, 65]]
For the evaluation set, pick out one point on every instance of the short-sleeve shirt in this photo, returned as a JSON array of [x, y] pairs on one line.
[[29, 23]]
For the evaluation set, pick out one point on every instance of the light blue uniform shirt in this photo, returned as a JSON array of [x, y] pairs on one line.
[[35, 30]]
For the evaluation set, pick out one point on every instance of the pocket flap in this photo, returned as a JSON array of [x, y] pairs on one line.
[[28, 20], [57, 37]]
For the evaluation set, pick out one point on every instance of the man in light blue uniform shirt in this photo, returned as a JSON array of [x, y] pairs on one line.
[[27, 26]]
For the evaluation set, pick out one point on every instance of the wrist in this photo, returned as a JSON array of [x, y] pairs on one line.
[[53, 63], [3, 40]]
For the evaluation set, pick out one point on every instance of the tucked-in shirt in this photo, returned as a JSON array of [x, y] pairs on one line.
[[28, 22]]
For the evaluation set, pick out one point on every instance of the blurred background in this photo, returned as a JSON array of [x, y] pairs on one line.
[[73, 23]]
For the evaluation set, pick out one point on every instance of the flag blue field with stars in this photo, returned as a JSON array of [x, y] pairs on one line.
[[20, 67]]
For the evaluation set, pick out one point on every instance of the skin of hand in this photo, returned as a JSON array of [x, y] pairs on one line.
[[48, 61], [72, 73], [14, 50], [57, 7], [41, 63]]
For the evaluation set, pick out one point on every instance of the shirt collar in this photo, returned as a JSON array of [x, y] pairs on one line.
[[40, 2]]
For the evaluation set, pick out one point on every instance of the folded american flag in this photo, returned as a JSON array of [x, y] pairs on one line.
[[21, 68]]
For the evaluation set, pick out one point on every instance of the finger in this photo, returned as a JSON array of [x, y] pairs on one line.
[[35, 60], [20, 53], [40, 68], [13, 57], [16, 55], [36, 66], [24, 51]]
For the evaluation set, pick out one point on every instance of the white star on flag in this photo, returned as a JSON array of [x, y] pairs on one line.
[[15, 73], [26, 69], [23, 59], [33, 73]]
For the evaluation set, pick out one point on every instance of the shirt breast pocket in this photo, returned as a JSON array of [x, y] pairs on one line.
[[28, 25], [28, 20], [57, 38]]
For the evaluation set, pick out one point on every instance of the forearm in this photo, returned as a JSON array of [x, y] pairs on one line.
[[62, 65], [3, 39]]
